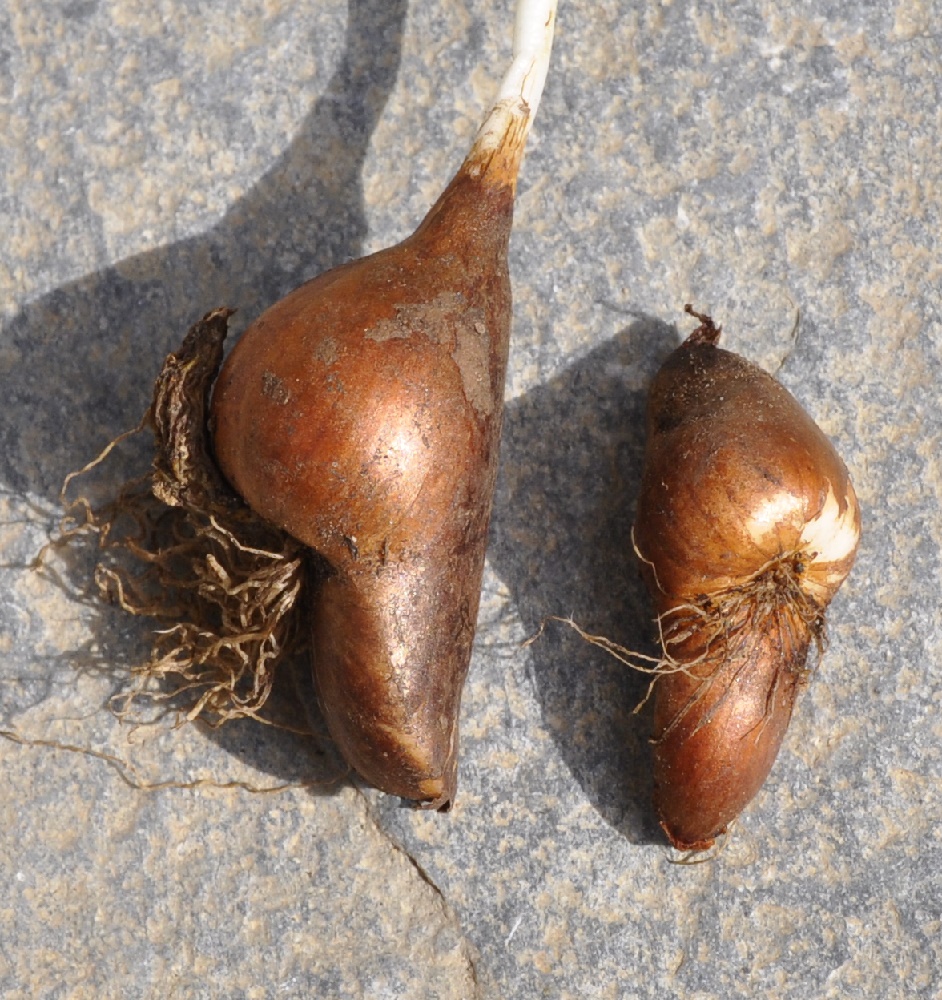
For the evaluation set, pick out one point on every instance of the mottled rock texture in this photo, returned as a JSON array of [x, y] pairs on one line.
[[777, 165]]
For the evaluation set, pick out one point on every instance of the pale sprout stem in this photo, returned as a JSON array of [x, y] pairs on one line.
[[533, 42], [522, 86]]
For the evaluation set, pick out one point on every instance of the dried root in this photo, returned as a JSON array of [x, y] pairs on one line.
[[132, 777], [696, 638], [719, 637], [178, 545]]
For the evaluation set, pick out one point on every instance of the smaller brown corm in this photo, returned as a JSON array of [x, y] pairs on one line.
[[747, 525]]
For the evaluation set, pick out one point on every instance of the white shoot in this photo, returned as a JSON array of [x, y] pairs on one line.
[[522, 85], [533, 42]]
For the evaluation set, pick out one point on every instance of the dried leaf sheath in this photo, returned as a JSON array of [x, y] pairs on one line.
[[179, 546]]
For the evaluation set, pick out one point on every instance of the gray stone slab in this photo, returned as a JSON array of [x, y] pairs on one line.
[[777, 166]]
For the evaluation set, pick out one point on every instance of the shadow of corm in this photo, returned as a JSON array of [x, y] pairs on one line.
[[561, 542], [88, 352]]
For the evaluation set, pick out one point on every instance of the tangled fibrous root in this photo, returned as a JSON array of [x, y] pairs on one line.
[[718, 636], [178, 545], [697, 639]]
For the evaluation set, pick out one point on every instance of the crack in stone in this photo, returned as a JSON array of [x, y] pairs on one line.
[[447, 909]]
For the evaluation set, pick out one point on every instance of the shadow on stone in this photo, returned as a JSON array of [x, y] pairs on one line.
[[561, 541], [88, 352]]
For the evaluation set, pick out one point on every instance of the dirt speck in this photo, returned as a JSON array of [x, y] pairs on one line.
[[433, 320], [472, 356], [274, 388]]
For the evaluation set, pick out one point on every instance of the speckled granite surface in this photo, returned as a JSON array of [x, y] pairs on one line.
[[777, 165]]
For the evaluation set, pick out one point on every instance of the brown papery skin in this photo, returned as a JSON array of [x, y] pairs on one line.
[[719, 728], [740, 593], [362, 415]]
